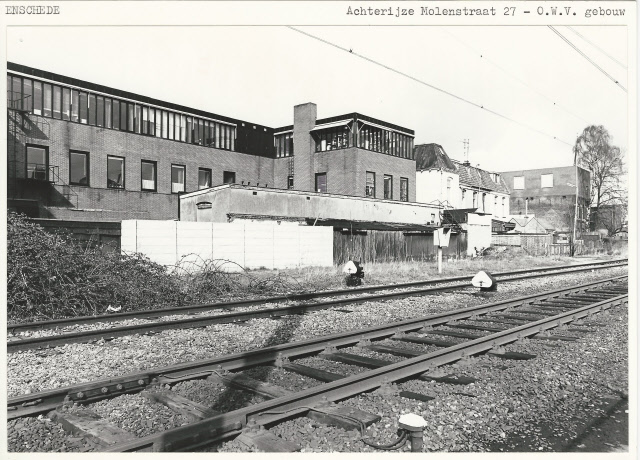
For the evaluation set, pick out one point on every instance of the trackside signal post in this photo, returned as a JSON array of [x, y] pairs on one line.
[[441, 240]]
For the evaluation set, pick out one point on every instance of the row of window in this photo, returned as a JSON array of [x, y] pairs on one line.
[[69, 104], [482, 201], [546, 181], [370, 186], [342, 137], [365, 137], [387, 180], [79, 172]]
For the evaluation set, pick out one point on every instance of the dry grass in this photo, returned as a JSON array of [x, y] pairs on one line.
[[316, 278]]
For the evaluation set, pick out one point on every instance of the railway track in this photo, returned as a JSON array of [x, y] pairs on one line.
[[457, 335], [16, 343]]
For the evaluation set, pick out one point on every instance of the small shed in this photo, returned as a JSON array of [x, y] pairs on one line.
[[528, 225]]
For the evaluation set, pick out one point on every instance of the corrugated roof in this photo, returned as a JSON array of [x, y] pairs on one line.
[[432, 156]]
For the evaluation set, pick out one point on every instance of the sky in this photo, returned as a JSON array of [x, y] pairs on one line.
[[523, 73]]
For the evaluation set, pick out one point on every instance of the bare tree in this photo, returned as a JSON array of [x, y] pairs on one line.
[[613, 218], [593, 150]]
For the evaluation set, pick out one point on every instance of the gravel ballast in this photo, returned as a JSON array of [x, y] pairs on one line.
[[37, 370], [537, 405], [534, 405]]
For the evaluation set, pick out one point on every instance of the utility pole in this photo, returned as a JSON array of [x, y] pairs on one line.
[[575, 211]]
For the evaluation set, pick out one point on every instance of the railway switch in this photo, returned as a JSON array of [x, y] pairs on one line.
[[485, 281], [354, 272]]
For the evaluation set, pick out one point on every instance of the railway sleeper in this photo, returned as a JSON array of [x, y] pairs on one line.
[[356, 360], [491, 319], [554, 308], [478, 328], [463, 335], [345, 417], [451, 379], [541, 314], [422, 340], [307, 371], [265, 441], [396, 351], [245, 383], [91, 426], [191, 410], [512, 355], [524, 319], [586, 298]]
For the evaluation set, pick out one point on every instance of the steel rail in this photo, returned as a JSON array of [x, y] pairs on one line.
[[200, 321], [191, 309], [42, 402], [213, 429]]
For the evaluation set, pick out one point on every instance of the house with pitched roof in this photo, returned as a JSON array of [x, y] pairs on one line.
[[458, 185]]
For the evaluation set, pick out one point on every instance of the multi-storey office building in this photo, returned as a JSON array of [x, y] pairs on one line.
[[550, 194], [83, 151]]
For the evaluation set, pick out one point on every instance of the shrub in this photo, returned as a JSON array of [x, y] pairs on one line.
[[53, 276]]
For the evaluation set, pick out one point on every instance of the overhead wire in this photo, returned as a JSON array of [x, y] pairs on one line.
[[422, 82], [597, 47], [587, 57], [518, 79]]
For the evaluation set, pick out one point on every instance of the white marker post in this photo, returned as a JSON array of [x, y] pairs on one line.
[[441, 240]]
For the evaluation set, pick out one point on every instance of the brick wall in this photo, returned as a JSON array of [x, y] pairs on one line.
[[346, 169], [99, 202]]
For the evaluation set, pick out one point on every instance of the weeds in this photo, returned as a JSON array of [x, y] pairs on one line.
[[53, 276]]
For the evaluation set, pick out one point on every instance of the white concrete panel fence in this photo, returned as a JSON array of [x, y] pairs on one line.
[[247, 244]]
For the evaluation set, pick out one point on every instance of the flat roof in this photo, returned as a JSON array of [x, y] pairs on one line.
[[305, 193], [354, 116]]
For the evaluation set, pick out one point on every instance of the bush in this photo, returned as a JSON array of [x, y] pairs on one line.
[[53, 276]]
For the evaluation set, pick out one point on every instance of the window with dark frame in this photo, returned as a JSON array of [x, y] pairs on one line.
[[116, 114], [370, 185], [83, 108], [66, 104], [78, 168], [204, 178], [92, 109], [86, 107], [178, 178], [37, 164], [37, 98], [28, 94], [404, 189], [332, 139], [388, 187], [115, 172], [57, 102], [228, 177], [47, 101], [148, 175], [321, 182]]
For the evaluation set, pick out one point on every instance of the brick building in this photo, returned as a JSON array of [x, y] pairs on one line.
[[550, 195], [83, 151]]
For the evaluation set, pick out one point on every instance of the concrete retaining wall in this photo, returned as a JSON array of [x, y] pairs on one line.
[[243, 244]]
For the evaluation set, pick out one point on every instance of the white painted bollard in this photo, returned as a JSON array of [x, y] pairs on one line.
[[485, 281], [413, 424]]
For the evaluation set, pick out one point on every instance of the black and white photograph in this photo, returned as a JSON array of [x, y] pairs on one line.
[[320, 227]]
